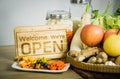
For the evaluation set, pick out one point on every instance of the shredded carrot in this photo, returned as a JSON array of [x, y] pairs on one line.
[[69, 37], [56, 65]]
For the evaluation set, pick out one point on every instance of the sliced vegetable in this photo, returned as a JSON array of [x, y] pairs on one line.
[[56, 65], [40, 63]]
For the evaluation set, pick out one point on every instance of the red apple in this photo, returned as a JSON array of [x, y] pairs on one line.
[[91, 35], [110, 32]]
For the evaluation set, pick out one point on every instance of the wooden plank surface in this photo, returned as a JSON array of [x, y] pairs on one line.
[[96, 75]]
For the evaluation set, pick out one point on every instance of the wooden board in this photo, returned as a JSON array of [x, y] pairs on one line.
[[48, 41], [95, 75]]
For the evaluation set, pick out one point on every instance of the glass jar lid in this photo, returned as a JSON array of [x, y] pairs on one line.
[[58, 14]]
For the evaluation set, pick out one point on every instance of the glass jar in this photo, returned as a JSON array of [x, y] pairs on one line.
[[64, 18]]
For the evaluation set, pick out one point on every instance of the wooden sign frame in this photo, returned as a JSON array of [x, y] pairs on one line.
[[43, 41]]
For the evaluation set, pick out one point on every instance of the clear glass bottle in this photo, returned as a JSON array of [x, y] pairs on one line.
[[61, 17]]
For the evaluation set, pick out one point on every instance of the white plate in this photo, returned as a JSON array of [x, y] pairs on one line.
[[16, 66]]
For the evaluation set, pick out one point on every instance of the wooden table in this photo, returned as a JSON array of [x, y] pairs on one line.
[[7, 54], [96, 75]]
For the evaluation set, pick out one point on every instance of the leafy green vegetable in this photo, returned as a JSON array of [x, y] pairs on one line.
[[88, 8], [107, 21], [117, 12], [112, 22], [95, 13]]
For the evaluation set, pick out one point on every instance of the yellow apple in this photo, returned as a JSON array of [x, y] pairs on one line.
[[112, 45]]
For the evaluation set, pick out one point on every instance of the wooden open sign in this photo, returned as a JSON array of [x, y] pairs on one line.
[[42, 41]]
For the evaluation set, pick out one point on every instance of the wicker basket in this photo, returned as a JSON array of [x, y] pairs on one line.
[[93, 67]]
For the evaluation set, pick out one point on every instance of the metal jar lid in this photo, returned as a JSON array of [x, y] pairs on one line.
[[58, 14]]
